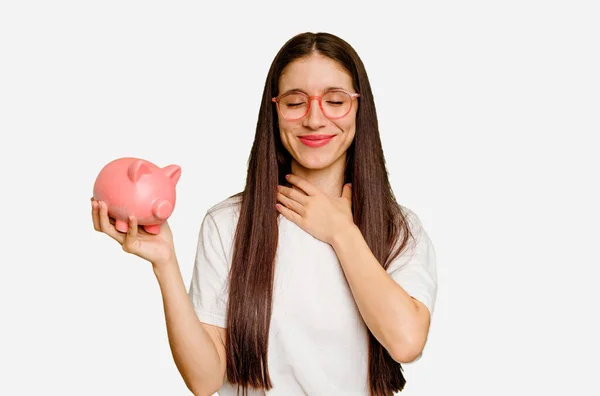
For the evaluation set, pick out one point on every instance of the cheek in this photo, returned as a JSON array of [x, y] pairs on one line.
[[285, 135], [286, 129], [349, 139], [349, 134], [348, 123], [349, 128]]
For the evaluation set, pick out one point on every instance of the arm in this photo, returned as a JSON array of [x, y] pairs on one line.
[[397, 320], [198, 349], [385, 301]]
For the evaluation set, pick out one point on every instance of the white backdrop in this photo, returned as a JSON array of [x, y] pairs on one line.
[[487, 114]]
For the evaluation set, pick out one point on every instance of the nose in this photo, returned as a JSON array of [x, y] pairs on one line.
[[315, 118]]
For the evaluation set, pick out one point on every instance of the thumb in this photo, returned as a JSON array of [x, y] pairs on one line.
[[347, 191]]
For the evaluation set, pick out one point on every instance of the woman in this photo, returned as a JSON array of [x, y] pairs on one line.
[[313, 280]]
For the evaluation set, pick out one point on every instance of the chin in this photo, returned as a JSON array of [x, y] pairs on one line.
[[316, 162], [314, 165]]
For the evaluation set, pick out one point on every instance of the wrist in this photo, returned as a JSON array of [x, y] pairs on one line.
[[344, 236], [161, 266]]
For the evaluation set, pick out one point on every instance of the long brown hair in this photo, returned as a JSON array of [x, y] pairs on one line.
[[375, 211]]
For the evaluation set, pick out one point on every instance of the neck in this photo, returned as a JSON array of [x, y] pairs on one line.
[[329, 180]]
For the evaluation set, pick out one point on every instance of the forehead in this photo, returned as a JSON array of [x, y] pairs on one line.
[[313, 74]]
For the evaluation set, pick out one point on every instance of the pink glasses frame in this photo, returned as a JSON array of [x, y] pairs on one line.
[[319, 98]]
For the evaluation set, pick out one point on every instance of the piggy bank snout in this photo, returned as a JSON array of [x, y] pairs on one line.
[[162, 209]]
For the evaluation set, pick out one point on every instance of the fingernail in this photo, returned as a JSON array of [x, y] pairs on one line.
[[287, 176]]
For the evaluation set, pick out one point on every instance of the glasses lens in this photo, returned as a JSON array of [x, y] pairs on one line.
[[293, 105], [336, 104]]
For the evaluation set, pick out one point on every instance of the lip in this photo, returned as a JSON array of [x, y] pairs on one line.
[[316, 140]]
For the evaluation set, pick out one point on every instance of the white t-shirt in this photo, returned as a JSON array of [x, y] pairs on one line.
[[317, 340]]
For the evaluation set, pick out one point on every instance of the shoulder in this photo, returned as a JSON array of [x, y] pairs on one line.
[[223, 215], [418, 236], [226, 208], [418, 252], [413, 221]]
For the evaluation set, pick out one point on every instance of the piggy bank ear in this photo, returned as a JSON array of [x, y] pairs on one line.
[[137, 169], [173, 172]]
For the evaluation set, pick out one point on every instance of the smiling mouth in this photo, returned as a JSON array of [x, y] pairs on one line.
[[316, 140], [316, 137]]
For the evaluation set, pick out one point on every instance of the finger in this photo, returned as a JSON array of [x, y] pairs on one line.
[[303, 184], [289, 214], [347, 191], [291, 193], [132, 234], [105, 225], [291, 204], [95, 215]]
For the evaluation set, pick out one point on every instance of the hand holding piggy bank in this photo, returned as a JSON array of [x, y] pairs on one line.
[[136, 187]]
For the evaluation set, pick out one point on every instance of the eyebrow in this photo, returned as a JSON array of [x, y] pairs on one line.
[[325, 90]]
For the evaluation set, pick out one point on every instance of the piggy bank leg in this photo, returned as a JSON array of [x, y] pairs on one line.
[[121, 225], [152, 229]]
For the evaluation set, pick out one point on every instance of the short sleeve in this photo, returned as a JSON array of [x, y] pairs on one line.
[[415, 268], [208, 288]]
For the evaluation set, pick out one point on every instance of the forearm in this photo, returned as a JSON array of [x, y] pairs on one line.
[[193, 350], [388, 310]]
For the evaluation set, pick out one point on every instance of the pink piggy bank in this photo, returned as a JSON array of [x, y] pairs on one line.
[[136, 187]]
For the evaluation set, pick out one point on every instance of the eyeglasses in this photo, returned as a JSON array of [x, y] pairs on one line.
[[334, 104]]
